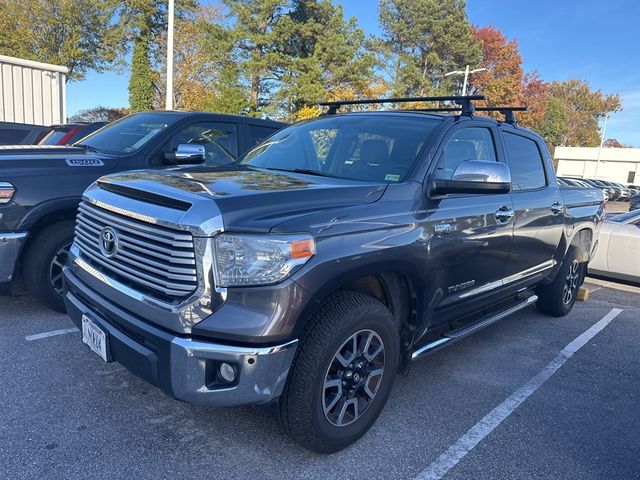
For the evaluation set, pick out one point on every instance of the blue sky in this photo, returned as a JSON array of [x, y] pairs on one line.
[[561, 39]]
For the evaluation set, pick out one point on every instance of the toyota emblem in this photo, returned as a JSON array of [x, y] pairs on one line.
[[108, 242]]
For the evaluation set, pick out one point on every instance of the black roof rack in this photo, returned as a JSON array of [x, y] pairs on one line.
[[465, 102], [509, 117]]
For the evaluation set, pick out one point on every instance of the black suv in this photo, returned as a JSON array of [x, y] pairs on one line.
[[317, 267]]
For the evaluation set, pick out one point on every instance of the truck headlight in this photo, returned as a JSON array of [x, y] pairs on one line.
[[252, 260], [6, 192]]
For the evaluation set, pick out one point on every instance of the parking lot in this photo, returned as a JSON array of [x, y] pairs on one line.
[[66, 414]]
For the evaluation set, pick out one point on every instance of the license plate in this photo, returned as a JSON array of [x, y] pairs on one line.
[[93, 336]]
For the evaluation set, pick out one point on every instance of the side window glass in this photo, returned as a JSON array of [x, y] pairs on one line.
[[258, 133], [212, 136], [465, 144], [525, 161]]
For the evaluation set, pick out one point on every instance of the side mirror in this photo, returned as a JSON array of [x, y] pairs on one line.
[[476, 176], [187, 153]]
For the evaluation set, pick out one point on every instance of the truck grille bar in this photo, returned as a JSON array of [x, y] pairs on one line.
[[148, 256]]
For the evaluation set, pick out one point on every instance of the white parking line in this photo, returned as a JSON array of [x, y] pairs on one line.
[[457, 451], [52, 333]]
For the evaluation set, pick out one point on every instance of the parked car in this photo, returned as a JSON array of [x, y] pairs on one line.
[[634, 202], [41, 185], [611, 192], [70, 133], [618, 255], [21, 133], [326, 260], [582, 183]]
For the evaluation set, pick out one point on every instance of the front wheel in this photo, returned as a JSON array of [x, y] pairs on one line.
[[342, 374], [557, 298], [43, 262]]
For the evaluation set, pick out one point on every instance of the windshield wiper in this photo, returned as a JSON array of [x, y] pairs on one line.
[[306, 171], [87, 147]]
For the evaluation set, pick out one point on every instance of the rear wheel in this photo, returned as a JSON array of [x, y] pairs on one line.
[[558, 298], [43, 262], [342, 374]]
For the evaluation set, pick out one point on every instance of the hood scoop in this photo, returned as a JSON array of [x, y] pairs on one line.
[[145, 196]]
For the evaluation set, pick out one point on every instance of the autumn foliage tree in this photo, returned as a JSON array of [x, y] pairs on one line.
[[501, 82]]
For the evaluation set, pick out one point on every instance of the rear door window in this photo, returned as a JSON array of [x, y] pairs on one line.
[[525, 161]]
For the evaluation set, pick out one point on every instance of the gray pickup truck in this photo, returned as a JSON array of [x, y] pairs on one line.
[[309, 273]]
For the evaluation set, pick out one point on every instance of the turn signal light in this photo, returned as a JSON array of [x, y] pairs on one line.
[[303, 248], [6, 192]]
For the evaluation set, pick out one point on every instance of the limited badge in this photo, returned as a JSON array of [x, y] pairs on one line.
[[392, 178]]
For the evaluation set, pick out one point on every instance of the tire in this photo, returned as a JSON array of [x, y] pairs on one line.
[[43, 261], [324, 357], [557, 299]]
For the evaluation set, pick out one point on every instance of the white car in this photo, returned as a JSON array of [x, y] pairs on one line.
[[618, 253]]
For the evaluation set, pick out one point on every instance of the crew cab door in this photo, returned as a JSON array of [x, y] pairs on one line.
[[469, 234], [537, 202]]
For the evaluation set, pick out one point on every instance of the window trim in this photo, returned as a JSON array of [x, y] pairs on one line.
[[159, 149], [542, 159], [439, 152]]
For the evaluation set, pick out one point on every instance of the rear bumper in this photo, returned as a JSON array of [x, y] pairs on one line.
[[183, 367], [10, 247]]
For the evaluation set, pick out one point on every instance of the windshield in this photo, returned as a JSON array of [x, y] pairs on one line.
[[129, 134], [379, 148], [625, 216]]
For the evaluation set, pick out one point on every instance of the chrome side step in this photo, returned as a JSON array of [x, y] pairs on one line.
[[458, 334]]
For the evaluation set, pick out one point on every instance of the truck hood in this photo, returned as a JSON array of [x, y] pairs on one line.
[[17, 156], [249, 199]]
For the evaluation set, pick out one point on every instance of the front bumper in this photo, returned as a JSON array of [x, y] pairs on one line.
[[10, 247], [183, 367]]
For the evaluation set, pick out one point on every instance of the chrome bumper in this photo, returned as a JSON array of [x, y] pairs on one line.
[[262, 372], [10, 246]]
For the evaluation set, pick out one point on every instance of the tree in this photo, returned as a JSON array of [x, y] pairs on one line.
[[292, 53], [99, 114], [257, 35], [323, 58], [422, 40], [534, 94], [614, 143], [78, 34], [583, 108], [141, 25], [141, 81], [501, 83], [553, 127]]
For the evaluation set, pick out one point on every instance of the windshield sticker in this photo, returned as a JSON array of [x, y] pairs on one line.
[[392, 178], [145, 139], [84, 162]]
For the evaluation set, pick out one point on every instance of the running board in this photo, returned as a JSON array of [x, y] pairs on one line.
[[460, 333]]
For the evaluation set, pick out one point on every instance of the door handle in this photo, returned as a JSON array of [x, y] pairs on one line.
[[504, 215], [557, 208]]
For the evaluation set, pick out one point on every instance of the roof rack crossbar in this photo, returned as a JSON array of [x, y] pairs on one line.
[[464, 101], [509, 116]]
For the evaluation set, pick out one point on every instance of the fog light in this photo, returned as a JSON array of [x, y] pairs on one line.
[[227, 372]]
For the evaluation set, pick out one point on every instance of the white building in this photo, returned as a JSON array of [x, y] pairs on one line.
[[32, 92], [620, 165]]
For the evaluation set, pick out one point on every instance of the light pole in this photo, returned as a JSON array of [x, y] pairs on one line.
[[604, 132], [169, 97], [466, 72]]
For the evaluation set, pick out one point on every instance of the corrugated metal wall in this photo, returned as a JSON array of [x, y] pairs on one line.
[[32, 92]]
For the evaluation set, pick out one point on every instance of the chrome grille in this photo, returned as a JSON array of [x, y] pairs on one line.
[[149, 256]]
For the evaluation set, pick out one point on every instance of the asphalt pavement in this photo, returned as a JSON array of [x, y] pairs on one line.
[[66, 414]]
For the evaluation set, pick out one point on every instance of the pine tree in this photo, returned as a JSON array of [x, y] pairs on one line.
[[424, 39], [141, 88]]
